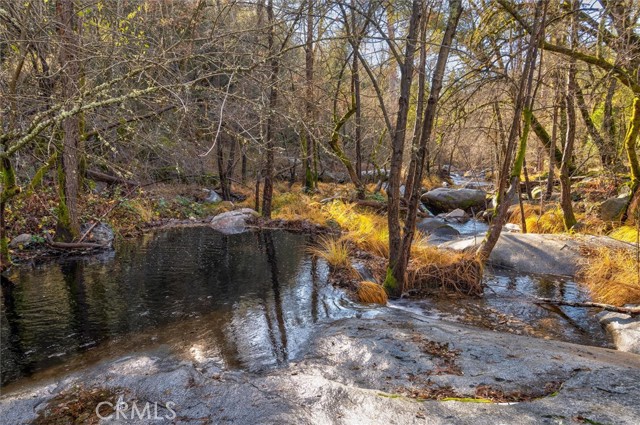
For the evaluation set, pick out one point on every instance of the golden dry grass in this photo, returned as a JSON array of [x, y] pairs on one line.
[[371, 293], [611, 275], [367, 230], [625, 234], [336, 252]]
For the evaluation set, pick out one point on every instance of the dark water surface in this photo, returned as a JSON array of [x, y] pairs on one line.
[[247, 301]]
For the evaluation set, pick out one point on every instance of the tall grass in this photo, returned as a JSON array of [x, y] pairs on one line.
[[612, 276]]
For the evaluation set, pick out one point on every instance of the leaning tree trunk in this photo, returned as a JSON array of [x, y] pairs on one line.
[[68, 227], [523, 108]]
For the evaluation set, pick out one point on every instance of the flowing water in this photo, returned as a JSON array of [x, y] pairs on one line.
[[246, 301]]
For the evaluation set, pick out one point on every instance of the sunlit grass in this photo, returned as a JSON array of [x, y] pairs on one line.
[[612, 276], [625, 234], [336, 252], [367, 230]]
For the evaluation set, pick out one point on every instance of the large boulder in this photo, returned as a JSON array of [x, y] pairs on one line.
[[538, 253], [445, 199], [233, 222], [613, 208], [101, 234], [624, 329]]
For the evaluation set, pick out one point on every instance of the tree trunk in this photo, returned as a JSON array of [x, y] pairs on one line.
[[630, 143], [567, 153], [394, 283], [273, 98], [310, 177], [355, 81], [417, 130], [68, 226], [552, 156], [523, 108], [604, 149]]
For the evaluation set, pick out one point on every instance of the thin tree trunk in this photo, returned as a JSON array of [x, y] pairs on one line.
[[552, 149], [604, 150], [567, 153], [355, 76], [428, 122], [310, 178], [409, 182], [273, 98], [395, 280], [68, 226]]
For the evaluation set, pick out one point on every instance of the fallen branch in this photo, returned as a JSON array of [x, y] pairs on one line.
[[632, 311], [73, 245]]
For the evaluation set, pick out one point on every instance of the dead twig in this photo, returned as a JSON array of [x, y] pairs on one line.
[[632, 311]]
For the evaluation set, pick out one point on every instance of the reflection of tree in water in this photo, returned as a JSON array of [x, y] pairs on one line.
[[280, 349], [73, 274], [12, 349]]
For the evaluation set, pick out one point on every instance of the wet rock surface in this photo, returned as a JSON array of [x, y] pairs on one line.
[[364, 370], [624, 329]]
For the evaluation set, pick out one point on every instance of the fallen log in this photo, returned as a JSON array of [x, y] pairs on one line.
[[106, 178], [632, 311]]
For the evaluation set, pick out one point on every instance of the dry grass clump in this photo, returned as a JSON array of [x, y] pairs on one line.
[[625, 234], [432, 268], [612, 276], [538, 221], [336, 252], [371, 293]]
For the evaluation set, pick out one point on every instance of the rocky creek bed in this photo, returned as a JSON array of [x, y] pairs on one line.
[[277, 344]]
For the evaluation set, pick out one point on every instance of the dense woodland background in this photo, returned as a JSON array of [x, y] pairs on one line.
[[234, 93]]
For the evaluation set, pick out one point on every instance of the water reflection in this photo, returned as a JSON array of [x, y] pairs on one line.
[[247, 300]]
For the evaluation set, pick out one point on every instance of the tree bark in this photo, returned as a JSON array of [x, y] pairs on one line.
[[310, 177]]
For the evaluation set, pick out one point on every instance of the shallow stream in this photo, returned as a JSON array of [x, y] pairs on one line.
[[248, 301]]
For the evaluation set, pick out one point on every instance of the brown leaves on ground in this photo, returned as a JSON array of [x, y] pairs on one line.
[[440, 350], [77, 406]]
